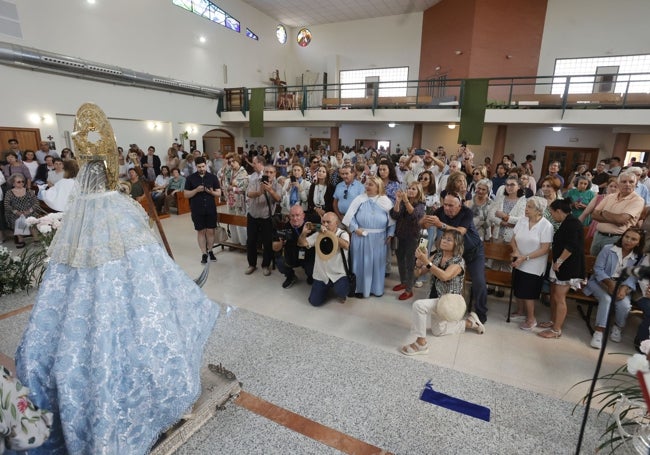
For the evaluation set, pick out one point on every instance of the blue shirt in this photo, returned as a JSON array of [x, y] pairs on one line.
[[345, 194], [465, 219]]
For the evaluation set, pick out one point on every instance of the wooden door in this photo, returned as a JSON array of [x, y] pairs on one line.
[[569, 158], [28, 138], [227, 145]]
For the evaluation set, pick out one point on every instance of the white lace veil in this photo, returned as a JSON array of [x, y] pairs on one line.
[[100, 225]]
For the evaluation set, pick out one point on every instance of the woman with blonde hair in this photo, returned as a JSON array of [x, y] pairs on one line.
[[407, 212], [295, 189], [447, 268], [371, 226], [172, 159]]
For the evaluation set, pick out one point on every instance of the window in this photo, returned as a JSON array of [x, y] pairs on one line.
[[389, 81], [281, 33], [252, 35], [603, 74], [207, 9]]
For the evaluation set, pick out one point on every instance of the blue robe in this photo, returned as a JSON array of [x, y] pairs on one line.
[[114, 348], [369, 252]]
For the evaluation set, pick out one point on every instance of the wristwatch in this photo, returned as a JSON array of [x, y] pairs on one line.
[[443, 227], [528, 258], [429, 265]]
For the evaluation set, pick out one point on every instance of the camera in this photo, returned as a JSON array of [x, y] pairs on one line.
[[284, 234], [265, 179], [293, 179]]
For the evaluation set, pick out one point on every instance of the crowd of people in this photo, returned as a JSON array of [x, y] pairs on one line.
[[404, 201]]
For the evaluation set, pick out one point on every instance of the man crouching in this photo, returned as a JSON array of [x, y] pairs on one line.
[[329, 271], [289, 253]]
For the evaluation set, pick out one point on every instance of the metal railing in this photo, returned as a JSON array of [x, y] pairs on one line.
[[619, 91]]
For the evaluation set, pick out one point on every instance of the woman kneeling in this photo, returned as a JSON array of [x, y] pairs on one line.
[[448, 269]]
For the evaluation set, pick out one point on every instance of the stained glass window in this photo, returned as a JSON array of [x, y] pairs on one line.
[[207, 9], [281, 33], [252, 35]]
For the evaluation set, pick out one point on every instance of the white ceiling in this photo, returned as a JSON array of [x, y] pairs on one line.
[[297, 13]]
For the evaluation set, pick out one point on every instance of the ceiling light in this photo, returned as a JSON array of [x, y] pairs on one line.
[[90, 2], [202, 39], [391, 125], [451, 126], [557, 129]]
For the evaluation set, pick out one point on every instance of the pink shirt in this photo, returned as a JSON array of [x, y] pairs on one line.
[[632, 204]]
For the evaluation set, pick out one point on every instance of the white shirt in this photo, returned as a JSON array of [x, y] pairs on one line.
[[58, 196], [332, 269], [529, 240]]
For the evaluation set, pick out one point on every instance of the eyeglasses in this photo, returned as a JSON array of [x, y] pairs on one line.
[[19, 181], [477, 173], [315, 162], [345, 194]]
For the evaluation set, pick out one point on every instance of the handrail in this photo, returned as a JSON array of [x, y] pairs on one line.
[[623, 91]]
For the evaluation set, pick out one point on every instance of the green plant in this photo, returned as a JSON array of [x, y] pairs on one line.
[[21, 272], [620, 397]]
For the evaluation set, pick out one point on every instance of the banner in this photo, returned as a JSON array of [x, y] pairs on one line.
[[256, 113], [472, 111]]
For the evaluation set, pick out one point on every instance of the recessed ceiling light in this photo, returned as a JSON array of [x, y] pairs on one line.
[[557, 129], [202, 39], [91, 2], [391, 125], [451, 126]]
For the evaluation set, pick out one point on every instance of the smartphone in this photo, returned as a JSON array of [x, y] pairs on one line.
[[265, 179], [292, 178], [419, 152]]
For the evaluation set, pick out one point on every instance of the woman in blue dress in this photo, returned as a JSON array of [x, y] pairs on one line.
[[115, 340], [372, 227]]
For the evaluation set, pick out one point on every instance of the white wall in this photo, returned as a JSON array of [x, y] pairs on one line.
[[593, 28], [369, 43]]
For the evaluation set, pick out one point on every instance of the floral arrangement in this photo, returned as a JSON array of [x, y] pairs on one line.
[[621, 396], [46, 226], [26, 270]]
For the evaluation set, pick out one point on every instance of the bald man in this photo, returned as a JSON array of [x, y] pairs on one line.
[[329, 274]]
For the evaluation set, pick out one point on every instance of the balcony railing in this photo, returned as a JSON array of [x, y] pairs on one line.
[[615, 91]]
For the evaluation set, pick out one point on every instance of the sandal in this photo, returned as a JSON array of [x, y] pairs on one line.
[[546, 325], [415, 349], [550, 333]]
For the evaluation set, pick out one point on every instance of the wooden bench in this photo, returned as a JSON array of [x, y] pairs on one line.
[[231, 220], [497, 251], [145, 205], [599, 99], [382, 101], [537, 100], [183, 204]]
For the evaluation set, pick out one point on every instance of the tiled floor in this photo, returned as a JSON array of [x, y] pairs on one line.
[[338, 365]]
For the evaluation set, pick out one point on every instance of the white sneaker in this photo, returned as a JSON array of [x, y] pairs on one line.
[[597, 340], [419, 284], [615, 335]]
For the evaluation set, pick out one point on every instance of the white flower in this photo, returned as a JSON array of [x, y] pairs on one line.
[[56, 224], [44, 228], [31, 221], [645, 346], [3, 250], [16, 258], [638, 362]]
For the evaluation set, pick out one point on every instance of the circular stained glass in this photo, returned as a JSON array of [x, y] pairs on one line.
[[281, 33], [304, 37]]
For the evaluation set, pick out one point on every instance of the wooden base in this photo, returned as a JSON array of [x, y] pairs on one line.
[[217, 389]]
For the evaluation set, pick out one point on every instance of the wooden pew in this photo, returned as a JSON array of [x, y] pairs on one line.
[[534, 99]]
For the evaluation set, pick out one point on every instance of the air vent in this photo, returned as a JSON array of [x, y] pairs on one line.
[[58, 61], [100, 69], [165, 82], [36, 59]]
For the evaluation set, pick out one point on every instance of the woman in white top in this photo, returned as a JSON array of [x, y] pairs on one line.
[[29, 160], [58, 196], [296, 189], [506, 210], [531, 242]]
